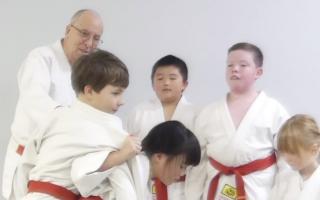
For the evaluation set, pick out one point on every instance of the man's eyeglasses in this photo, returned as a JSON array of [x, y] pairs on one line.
[[86, 35]]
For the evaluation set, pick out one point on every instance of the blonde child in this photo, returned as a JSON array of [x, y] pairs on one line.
[[237, 135], [169, 80], [299, 145]]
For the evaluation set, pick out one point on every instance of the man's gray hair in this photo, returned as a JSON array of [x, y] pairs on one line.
[[76, 16]]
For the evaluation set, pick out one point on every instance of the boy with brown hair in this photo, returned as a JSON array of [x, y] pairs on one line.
[[83, 150]]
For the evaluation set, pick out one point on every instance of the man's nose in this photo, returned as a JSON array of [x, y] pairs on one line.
[[90, 43]]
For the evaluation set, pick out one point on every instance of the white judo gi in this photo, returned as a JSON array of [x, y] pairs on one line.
[[291, 186], [69, 149], [220, 140], [44, 83], [149, 114], [143, 181]]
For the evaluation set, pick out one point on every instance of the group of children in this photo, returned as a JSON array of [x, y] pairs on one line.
[[237, 150]]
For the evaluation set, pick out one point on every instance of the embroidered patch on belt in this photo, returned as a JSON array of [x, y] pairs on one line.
[[153, 189], [229, 191]]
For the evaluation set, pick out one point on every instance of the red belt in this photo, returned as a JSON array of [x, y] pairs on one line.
[[161, 188], [56, 191], [20, 149], [239, 171]]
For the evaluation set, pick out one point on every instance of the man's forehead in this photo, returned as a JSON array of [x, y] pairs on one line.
[[87, 19]]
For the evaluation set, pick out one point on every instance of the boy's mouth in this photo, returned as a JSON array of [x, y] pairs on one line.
[[234, 77], [166, 90]]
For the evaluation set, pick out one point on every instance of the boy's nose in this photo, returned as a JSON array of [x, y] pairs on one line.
[[235, 68], [166, 81]]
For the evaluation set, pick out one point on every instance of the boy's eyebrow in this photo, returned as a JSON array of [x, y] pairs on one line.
[[161, 74], [119, 89]]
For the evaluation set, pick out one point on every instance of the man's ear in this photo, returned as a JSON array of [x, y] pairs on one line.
[[315, 148], [68, 28]]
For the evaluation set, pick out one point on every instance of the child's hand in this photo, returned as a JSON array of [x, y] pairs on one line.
[[131, 146]]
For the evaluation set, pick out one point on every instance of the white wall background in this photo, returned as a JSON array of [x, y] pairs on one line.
[[199, 31]]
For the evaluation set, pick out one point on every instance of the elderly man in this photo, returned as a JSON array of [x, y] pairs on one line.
[[44, 83]]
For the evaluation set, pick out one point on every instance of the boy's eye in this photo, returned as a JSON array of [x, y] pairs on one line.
[[243, 65], [230, 65], [173, 78]]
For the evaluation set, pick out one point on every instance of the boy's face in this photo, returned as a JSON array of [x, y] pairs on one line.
[[168, 84], [242, 72], [168, 170], [108, 100]]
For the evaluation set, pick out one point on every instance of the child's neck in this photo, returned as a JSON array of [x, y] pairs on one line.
[[169, 109], [308, 171], [248, 95], [83, 99], [239, 105]]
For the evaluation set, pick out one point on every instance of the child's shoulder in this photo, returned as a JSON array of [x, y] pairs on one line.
[[271, 103], [41, 51], [148, 104], [211, 110], [212, 106]]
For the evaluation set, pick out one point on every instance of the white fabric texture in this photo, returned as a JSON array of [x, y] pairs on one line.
[[149, 114], [70, 147], [290, 186], [44, 82], [252, 140]]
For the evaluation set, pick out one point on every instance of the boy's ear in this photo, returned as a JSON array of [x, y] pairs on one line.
[[87, 90], [158, 157], [185, 85], [259, 72]]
